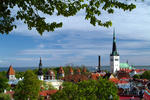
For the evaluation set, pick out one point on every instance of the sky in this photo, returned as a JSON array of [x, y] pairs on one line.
[[80, 43]]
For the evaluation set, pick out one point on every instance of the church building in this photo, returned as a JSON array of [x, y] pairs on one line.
[[115, 64]]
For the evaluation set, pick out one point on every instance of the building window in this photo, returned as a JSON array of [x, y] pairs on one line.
[[111, 59], [116, 59]]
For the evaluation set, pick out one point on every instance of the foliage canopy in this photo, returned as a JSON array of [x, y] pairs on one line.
[[28, 88], [145, 75], [3, 83], [31, 12], [4, 96], [87, 90]]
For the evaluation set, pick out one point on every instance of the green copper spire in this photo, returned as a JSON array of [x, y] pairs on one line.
[[114, 48]]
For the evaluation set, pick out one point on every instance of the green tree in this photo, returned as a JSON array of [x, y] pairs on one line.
[[146, 75], [19, 74], [29, 88], [88, 90], [19, 91], [69, 92], [4, 96], [3, 83], [137, 76], [3, 73], [31, 12]]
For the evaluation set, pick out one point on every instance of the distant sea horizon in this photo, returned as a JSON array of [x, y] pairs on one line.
[[90, 68]]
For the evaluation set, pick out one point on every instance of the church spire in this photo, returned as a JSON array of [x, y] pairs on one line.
[[40, 72], [114, 47], [40, 64]]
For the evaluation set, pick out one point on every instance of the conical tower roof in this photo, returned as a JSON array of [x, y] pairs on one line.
[[84, 69], [11, 71], [70, 70]]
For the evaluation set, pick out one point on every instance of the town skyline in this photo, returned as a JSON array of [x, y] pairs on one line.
[[78, 42]]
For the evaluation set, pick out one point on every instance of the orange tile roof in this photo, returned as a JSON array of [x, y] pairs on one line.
[[78, 70], [11, 93], [129, 98], [60, 71], [84, 69], [124, 78], [114, 80], [94, 76], [71, 70], [75, 78], [47, 92], [11, 71]]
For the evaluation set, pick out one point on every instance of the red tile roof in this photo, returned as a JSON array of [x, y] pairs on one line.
[[146, 94], [95, 76], [75, 78], [11, 93], [114, 80], [129, 98], [70, 70], [122, 82], [84, 69], [42, 93], [139, 70], [122, 74], [47, 92], [78, 70], [61, 71], [124, 78], [131, 70], [10, 71], [51, 73]]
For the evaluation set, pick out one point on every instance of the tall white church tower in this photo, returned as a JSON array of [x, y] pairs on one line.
[[114, 57]]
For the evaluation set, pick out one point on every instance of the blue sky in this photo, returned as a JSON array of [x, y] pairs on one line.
[[80, 43]]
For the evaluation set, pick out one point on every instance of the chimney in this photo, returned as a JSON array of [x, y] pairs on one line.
[[99, 63]]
